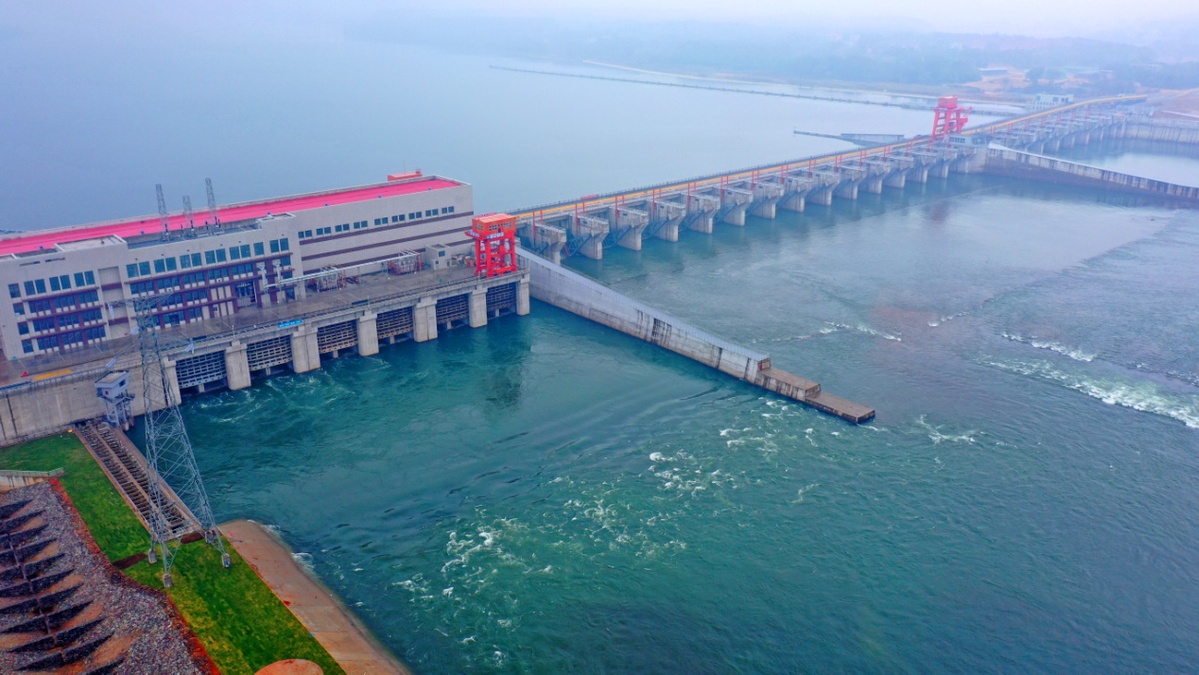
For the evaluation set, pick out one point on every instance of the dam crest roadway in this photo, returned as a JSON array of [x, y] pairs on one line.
[[586, 225]]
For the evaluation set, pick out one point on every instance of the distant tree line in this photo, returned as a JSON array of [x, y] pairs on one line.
[[838, 54]]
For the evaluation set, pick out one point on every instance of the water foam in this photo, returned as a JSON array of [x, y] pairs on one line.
[[1057, 347], [938, 437], [799, 497], [867, 330], [304, 560], [1142, 396]]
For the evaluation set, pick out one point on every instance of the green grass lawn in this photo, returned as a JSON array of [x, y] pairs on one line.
[[242, 624], [238, 619]]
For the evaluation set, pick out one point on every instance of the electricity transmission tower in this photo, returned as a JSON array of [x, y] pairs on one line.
[[169, 456]]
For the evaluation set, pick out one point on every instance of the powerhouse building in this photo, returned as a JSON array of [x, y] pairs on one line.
[[71, 287]]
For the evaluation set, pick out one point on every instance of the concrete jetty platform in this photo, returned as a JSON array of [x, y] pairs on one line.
[[590, 299], [338, 631]]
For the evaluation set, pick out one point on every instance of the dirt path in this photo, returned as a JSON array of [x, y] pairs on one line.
[[345, 638]]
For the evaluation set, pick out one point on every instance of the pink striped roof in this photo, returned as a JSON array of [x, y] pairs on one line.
[[150, 224]]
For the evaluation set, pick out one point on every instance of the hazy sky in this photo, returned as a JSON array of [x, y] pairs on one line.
[[236, 18]]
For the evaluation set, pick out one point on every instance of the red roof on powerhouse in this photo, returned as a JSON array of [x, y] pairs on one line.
[[228, 214]]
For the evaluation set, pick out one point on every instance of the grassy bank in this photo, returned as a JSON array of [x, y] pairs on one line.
[[240, 621], [117, 531]]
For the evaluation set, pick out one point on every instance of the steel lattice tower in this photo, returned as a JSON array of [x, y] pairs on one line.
[[169, 456]]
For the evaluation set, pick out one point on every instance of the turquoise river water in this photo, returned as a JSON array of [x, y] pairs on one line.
[[546, 495]]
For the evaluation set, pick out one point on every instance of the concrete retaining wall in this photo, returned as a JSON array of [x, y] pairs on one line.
[[11, 480], [1170, 132], [579, 295], [1005, 161]]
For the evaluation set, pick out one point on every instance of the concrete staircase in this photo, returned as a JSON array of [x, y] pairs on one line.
[[127, 469]]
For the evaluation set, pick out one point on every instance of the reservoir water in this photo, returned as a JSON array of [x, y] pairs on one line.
[[547, 495]]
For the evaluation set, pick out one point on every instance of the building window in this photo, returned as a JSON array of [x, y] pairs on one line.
[[143, 268], [220, 255], [451, 209], [54, 284], [23, 328], [160, 266], [258, 248], [245, 250], [29, 288], [14, 290], [171, 265], [235, 253], [285, 261], [27, 346], [18, 309]]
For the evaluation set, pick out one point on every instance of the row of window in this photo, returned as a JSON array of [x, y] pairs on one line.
[[61, 321], [193, 278], [57, 283], [65, 340], [61, 302], [180, 316], [211, 257], [361, 224]]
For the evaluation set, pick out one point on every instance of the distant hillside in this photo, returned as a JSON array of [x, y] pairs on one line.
[[787, 54]]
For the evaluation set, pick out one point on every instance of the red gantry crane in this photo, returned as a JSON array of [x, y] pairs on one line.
[[950, 118], [495, 244]]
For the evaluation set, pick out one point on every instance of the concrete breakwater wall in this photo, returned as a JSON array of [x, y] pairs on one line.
[[1008, 162], [589, 299], [1162, 130]]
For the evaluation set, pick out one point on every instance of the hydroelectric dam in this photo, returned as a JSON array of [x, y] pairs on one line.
[[253, 289]]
